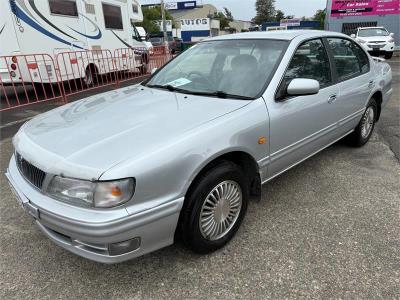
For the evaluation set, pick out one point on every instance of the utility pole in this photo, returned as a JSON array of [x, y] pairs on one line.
[[164, 25]]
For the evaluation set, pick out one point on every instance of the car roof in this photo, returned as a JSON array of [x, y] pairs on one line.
[[285, 35]]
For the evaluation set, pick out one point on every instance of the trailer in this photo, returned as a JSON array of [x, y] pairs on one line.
[[58, 40]]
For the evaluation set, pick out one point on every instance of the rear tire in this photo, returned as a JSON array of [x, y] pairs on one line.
[[388, 55], [90, 75], [362, 133], [214, 208]]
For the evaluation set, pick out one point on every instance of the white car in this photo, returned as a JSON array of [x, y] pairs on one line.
[[376, 40]]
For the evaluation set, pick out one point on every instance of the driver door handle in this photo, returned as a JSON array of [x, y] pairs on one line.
[[332, 99]]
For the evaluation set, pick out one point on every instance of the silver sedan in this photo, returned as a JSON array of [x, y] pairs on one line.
[[127, 172]]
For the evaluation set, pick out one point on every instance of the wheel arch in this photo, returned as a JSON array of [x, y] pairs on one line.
[[93, 67], [378, 98], [243, 159]]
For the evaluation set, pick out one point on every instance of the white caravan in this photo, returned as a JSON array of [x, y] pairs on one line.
[[78, 35]]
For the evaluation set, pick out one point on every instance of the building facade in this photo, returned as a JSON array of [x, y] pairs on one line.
[[347, 15]]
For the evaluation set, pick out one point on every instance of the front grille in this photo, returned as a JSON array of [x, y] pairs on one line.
[[31, 173]]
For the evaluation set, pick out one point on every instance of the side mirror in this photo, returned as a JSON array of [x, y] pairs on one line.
[[302, 87], [353, 36], [391, 34], [153, 70]]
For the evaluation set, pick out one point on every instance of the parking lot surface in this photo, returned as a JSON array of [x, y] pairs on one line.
[[329, 228]]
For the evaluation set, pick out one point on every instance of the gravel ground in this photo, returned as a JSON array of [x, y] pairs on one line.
[[328, 228]]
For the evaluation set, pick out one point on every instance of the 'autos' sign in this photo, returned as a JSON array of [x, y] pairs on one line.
[[344, 8], [195, 24]]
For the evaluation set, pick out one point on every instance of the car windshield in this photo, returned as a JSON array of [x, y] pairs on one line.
[[228, 69], [373, 32], [155, 40]]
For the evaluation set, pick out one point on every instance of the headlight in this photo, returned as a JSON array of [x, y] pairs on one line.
[[361, 41], [391, 40], [91, 194]]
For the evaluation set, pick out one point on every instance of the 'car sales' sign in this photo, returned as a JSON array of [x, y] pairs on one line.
[[344, 8]]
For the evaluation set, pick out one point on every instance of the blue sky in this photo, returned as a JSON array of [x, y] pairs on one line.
[[244, 9]]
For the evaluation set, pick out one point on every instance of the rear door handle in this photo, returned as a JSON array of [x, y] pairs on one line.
[[332, 99]]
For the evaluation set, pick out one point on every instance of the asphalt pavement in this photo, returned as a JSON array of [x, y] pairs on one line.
[[329, 228]]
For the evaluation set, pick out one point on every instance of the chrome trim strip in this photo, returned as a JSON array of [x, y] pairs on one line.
[[307, 157]]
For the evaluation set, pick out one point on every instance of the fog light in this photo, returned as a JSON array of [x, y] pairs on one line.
[[124, 247]]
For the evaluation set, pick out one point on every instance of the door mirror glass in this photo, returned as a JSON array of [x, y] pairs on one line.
[[303, 86], [153, 70]]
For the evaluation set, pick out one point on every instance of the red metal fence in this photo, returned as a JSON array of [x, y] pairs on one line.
[[28, 79], [85, 70]]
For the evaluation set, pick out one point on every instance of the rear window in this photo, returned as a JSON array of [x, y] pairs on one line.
[[155, 40], [112, 16], [63, 7]]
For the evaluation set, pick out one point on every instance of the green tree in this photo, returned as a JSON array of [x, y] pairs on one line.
[[265, 11], [279, 15], [150, 17], [320, 16], [224, 18]]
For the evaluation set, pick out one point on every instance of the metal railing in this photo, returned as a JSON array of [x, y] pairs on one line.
[[28, 79], [35, 78]]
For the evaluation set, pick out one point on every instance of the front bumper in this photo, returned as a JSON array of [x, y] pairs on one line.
[[153, 228], [379, 48]]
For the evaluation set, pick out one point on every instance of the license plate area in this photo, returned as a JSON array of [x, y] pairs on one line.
[[17, 196], [32, 210], [26, 205]]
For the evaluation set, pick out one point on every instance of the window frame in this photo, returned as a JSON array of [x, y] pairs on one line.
[[331, 66], [64, 15], [104, 16], [349, 77]]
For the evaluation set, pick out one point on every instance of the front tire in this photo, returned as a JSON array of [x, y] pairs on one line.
[[362, 133], [214, 208]]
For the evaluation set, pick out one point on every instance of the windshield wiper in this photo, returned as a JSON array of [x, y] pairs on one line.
[[164, 87], [222, 94], [170, 88], [219, 94]]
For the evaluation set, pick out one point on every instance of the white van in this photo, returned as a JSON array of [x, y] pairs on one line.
[[52, 27]]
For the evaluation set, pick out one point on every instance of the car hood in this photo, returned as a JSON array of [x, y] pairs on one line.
[[92, 135], [375, 38]]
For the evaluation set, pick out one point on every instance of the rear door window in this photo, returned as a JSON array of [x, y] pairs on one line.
[[350, 60]]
